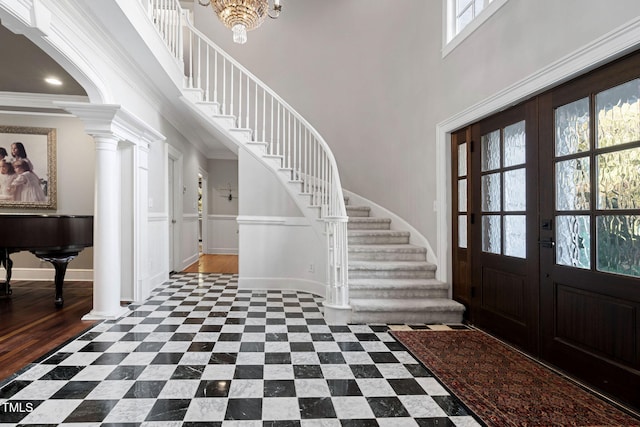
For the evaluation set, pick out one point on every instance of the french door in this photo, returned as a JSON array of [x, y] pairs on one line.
[[504, 221], [554, 227], [590, 288]]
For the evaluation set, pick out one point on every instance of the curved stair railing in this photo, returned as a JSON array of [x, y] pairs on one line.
[[234, 93]]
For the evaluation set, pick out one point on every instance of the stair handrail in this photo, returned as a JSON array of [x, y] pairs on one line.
[[303, 150]]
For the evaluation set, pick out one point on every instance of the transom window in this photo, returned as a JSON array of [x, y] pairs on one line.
[[462, 17]]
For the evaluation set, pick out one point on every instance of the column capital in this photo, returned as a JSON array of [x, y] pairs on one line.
[[112, 120]]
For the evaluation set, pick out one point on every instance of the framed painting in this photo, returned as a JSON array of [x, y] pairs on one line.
[[27, 167]]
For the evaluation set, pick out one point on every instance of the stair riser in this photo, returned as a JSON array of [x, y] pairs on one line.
[[227, 122], [400, 293], [357, 212], [407, 317], [391, 274], [387, 256], [368, 225], [378, 240]]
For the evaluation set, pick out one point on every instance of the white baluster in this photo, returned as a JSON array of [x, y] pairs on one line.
[[271, 142], [224, 86], [231, 90], [206, 92], [264, 112], [248, 112], [240, 111], [215, 76], [190, 60], [199, 67]]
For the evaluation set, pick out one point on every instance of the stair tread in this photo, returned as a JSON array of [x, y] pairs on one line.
[[358, 208], [378, 232], [385, 283], [368, 219], [405, 304], [387, 265], [392, 247]]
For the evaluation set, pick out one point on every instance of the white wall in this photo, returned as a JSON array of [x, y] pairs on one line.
[[279, 248], [369, 76], [222, 225]]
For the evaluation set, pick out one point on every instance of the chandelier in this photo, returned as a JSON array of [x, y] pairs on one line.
[[243, 15]]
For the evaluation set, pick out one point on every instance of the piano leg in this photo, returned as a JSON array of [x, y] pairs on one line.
[[60, 263], [7, 263]]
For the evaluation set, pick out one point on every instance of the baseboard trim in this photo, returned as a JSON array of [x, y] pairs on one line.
[[48, 274], [282, 283], [222, 251]]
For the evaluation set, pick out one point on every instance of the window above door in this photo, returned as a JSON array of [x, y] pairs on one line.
[[463, 17]]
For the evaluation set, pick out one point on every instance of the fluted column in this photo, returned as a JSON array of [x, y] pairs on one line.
[[106, 233]]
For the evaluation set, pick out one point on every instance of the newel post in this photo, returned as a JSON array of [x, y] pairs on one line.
[[336, 306]]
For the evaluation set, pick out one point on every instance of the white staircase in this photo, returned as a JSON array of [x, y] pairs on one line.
[[389, 280]]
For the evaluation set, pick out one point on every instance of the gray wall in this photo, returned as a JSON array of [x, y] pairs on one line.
[[370, 77]]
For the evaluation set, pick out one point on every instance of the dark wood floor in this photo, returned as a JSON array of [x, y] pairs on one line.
[[31, 325]]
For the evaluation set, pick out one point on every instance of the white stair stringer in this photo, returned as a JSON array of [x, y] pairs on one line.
[[390, 280], [244, 137]]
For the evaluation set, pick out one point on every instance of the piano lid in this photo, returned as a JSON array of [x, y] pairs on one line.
[[45, 231]]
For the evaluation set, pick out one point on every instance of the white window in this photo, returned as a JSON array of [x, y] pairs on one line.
[[462, 17]]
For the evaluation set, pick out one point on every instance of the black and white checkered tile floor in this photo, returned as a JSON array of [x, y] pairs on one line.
[[201, 352]]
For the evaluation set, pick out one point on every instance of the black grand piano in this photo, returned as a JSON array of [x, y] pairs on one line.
[[54, 238]]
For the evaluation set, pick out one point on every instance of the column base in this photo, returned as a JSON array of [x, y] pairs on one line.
[[97, 315], [337, 314]]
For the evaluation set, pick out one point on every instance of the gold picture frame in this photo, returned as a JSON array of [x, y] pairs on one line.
[[24, 189]]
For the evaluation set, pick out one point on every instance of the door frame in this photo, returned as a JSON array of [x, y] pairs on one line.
[[174, 209], [610, 46]]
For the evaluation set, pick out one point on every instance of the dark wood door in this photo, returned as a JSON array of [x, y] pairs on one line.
[[461, 208], [590, 223], [504, 225]]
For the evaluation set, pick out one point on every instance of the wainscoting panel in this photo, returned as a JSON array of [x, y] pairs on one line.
[[222, 234]]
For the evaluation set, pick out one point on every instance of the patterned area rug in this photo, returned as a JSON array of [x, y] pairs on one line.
[[504, 387]]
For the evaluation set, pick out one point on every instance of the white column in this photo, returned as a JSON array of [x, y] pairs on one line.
[[106, 233]]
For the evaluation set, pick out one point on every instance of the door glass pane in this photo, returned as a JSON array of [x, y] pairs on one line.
[[618, 244], [462, 195], [619, 179], [490, 151], [515, 190], [462, 159], [572, 127], [515, 236], [491, 234], [573, 241], [514, 144], [491, 192], [573, 184], [462, 231], [618, 114]]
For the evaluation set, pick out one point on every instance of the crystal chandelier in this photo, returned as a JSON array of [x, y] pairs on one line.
[[243, 15]]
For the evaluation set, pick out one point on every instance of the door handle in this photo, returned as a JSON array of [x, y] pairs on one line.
[[546, 243]]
